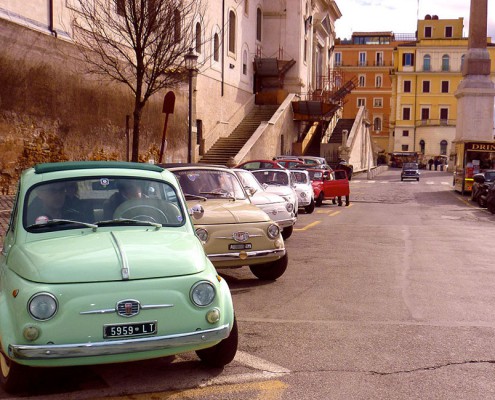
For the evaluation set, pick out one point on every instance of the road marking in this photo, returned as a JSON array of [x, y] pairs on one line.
[[307, 226]]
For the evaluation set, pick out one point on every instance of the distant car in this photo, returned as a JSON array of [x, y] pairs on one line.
[[278, 209], [410, 170], [281, 182], [329, 185], [290, 164], [234, 232], [481, 183], [304, 190], [80, 289], [310, 160], [252, 165]]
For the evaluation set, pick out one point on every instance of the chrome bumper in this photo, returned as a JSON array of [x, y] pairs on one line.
[[246, 255], [285, 223], [55, 351]]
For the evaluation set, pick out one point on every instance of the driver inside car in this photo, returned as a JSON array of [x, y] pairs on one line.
[[127, 190]]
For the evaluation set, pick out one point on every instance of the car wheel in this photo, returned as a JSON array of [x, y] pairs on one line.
[[310, 208], [334, 201], [222, 353], [287, 232], [481, 202], [270, 271], [491, 207], [14, 377], [401, 179], [319, 200]]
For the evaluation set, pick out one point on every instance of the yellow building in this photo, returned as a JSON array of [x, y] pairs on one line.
[[424, 79], [369, 57]]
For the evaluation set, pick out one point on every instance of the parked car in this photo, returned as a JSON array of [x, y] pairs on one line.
[[304, 190], [490, 199], [481, 183], [278, 209], [79, 289], [234, 232], [329, 185], [310, 160], [281, 182], [410, 170], [290, 164], [252, 165]]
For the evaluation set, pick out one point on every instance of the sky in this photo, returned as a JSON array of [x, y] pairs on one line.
[[400, 16]]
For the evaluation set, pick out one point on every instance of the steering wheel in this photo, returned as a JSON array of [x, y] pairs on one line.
[[149, 210]]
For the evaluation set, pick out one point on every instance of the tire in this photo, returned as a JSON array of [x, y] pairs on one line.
[[270, 271], [491, 207], [310, 208], [14, 377], [287, 232], [481, 202], [319, 200], [222, 353], [334, 201]]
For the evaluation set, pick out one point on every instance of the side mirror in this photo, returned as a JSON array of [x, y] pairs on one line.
[[197, 211], [250, 190]]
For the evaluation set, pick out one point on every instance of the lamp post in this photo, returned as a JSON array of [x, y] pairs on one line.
[[190, 60]]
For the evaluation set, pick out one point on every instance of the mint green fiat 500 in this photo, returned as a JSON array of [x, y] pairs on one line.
[[101, 264]]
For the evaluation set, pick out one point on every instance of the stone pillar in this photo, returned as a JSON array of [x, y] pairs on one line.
[[476, 91]]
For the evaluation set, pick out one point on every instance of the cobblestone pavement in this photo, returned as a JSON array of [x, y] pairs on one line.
[[5, 209]]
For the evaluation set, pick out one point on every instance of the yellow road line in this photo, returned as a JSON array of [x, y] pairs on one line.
[[307, 226]]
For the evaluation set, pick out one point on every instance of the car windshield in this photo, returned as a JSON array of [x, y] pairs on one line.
[[272, 177], [99, 201], [490, 176], [249, 180], [300, 177], [210, 184], [410, 166], [315, 175]]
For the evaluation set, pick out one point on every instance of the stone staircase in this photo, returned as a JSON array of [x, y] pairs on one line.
[[343, 124], [229, 146]]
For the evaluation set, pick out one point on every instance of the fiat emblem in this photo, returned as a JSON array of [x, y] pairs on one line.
[[274, 212], [240, 236], [128, 308]]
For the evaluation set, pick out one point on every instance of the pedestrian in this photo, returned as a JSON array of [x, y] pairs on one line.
[[430, 163], [436, 164]]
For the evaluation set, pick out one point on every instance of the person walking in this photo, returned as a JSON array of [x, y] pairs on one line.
[[430, 163]]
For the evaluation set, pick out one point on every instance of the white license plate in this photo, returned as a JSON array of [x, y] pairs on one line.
[[129, 330], [240, 246]]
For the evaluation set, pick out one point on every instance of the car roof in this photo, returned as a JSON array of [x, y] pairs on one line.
[[73, 165]]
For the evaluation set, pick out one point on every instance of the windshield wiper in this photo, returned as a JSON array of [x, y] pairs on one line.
[[225, 194], [194, 196], [58, 222], [127, 221]]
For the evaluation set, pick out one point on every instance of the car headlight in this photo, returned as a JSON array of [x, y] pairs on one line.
[[289, 206], [202, 234], [303, 195], [273, 231], [42, 306], [203, 293]]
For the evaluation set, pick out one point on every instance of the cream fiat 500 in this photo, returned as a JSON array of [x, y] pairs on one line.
[[234, 231], [101, 264]]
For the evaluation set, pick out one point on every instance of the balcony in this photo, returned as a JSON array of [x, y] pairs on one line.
[[435, 122]]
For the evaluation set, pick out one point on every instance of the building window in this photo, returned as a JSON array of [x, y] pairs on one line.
[[425, 114], [246, 7], [244, 62], [232, 32], [443, 147], [198, 38], [378, 102], [120, 7], [338, 59], [361, 102], [216, 47], [444, 115], [407, 86], [379, 58], [448, 31], [445, 63], [377, 124], [426, 86], [378, 81], [427, 63], [405, 133], [305, 49], [362, 81], [406, 113], [422, 146], [407, 59], [362, 59], [405, 147], [445, 86], [258, 24], [427, 31]]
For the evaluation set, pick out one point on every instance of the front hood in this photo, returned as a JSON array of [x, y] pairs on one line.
[[101, 256], [228, 212], [280, 190], [262, 198]]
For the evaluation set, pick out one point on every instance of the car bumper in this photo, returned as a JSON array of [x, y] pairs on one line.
[[45, 352], [285, 223], [247, 255]]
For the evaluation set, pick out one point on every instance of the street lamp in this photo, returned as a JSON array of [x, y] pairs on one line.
[[190, 60]]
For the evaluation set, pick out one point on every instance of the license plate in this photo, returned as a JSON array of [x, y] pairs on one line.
[[129, 330], [240, 246]]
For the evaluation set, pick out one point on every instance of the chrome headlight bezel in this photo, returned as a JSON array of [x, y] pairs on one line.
[[273, 231], [289, 206], [42, 306], [202, 293], [202, 234]]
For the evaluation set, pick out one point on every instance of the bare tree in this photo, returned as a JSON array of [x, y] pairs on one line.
[[140, 43]]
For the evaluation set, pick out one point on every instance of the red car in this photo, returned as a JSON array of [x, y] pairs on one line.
[[290, 164], [329, 185], [252, 165]]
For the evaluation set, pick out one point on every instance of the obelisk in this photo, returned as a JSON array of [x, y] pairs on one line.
[[476, 91]]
